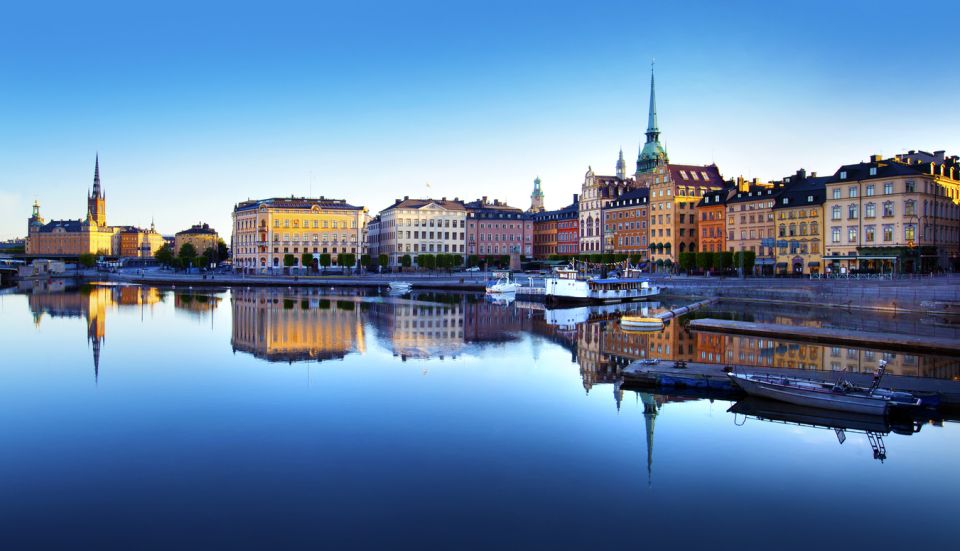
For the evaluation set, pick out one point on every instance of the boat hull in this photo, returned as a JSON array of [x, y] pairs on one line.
[[802, 396]]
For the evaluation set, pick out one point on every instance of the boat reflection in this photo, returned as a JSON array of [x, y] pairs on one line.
[[873, 426]]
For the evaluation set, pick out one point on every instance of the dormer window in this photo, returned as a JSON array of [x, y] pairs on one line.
[[843, 174], [809, 198], [873, 171]]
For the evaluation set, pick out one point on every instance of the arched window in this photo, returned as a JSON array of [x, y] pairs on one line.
[[783, 230]]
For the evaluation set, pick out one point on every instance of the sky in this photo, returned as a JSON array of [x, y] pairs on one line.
[[194, 107]]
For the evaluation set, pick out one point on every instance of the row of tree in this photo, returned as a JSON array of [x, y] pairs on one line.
[[598, 258], [188, 256], [719, 261]]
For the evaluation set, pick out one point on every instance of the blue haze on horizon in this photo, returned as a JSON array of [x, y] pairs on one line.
[[196, 107]]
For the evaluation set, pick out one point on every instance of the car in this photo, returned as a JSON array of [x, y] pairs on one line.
[[472, 269]]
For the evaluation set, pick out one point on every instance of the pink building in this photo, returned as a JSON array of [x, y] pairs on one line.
[[495, 228]]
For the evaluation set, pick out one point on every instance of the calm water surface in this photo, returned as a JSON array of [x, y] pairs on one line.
[[157, 418]]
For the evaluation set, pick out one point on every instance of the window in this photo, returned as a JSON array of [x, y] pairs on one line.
[[835, 234], [851, 234], [870, 210], [836, 193], [887, 188], [873, 171], [910, 208], [835, 212], [851, 212], [852, 192], [887, 208], [910, 232], [869, 233], [911, 186], [843, 174], [870, 190], [888, 232]]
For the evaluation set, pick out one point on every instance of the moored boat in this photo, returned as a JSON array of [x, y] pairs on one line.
[[400, 286], [567, 285], [641, 323], [839, 396], [502, 284]]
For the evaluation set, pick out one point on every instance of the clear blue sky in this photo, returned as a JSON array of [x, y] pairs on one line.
[[194, 108]]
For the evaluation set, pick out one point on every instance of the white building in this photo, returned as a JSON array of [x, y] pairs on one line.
[[415, 226]]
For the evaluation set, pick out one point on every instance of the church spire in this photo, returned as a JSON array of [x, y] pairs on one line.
[[652, 154], [621, 167], [653, 132], [97, 193]]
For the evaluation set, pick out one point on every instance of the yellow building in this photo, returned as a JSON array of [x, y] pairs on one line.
[[798, 213], [201, 236], [750, 222], [138, 242], [264, 230]]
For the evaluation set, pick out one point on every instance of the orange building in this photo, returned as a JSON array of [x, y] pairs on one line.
[[712, 225], [625, 223]]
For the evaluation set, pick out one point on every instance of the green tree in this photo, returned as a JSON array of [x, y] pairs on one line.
[[347, 260], [306, 260], [383, 260], [164, 255], [210, 256], [427, 261], [607, 258], [473, 260], [635, 259], [406, 261], [687, 260], [365, 260], [88, 260], [723, 260], [456, 260], [705, 260], [324, 259], [744, 259], [289, 260], [187, 252], [596, 258], [222, 251], [199, 262]]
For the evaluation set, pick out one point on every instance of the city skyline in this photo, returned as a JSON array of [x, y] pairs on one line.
[[225, 109]]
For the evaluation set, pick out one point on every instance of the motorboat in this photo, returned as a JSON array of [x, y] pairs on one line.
[[641, 323], [400, 286], [568, 285], [839, 396], [502, 284]]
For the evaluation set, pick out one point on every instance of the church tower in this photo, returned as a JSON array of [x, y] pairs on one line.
[[621, 167], [652, 154], [536, 198], [96, 200]]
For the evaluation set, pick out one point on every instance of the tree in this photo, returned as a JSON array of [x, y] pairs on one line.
[[306, 260], [164, 255], [289, 260], [635, 259], [705, 260], [88, 260], [347, 260], [687, 260], [607, 258], [596, 258], [723, 260], [365, 260], [744, 259], [187, 252], [324, 259], [473, 260], [406, 261], [456, 260], [222, 251], [210, 256], [426, 261], [383, 260], [199, 262]]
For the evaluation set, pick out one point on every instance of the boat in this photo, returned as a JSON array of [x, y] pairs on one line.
[[502, 284], [839, 396], [641, 323], [567, 285], [400, 286]]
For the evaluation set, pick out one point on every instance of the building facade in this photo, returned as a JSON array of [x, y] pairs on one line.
[[556, 232], [201, 236], [495, 228], [750, 222], [138, 242], [414, 226], [711, 214], [625, 223], [596, 194], [799, 223], [265, 230], [893, 215]]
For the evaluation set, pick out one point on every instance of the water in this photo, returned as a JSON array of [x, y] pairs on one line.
[[142, 418]]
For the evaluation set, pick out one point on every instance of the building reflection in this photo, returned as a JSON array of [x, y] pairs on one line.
[[295, 325], [89, 302]]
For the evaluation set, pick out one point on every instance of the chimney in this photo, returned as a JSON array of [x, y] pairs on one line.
[[813, 174], [876, 158], [484, 200], [801, 174], [406, 197], [576, 197], [396, 202], [939, 155]]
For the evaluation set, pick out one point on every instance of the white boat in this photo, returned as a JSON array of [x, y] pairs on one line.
[[502, 284], [400, 286], [566, 285], [641, 323], [840, 396]]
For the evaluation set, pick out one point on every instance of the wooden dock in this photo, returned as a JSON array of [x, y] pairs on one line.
[[863, 339], [713, 378]]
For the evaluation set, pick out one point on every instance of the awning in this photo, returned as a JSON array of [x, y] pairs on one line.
[[813, 264], [781, 264], [764, 261]]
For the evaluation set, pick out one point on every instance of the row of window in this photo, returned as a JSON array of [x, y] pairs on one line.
[[870, 233], [870, 189], [424, 235]]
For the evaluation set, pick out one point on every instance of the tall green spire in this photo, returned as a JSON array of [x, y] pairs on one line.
[[652, 154]]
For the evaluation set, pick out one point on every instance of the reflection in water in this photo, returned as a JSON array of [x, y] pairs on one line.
[[295, 325]]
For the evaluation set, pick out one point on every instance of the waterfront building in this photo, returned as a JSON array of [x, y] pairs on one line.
[[373, 238], [750, 223], [72, 238], [625, 223], [900, 214], [265, 230], [556, 232], [495, 228], [295, 326], [596, 194], [712, 225], [536, 198], [201, 236], [414, 226], [799, 221], [138, 242], [675, 191]]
